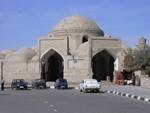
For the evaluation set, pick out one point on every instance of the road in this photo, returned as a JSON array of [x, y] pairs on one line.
[[67, 101]]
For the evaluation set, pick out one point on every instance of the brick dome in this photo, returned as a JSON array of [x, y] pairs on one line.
[[77, 24]]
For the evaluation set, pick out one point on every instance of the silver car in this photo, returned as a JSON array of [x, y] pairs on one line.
[[89, 85]]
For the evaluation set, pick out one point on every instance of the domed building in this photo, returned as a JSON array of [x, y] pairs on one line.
[[75, 49]]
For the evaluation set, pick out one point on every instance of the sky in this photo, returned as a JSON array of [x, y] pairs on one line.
[[22, 22]]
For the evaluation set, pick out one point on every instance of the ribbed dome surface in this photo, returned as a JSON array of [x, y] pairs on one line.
[[77, 23]]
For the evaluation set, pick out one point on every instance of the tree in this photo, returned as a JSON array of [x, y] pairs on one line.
[[138, 60], [142, 60], [129, 63]]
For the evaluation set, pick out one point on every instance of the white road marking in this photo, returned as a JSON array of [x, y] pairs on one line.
[[55, 110], [51, 105], [45, 102]]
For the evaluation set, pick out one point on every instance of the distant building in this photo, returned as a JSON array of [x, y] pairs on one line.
[[142, 45]]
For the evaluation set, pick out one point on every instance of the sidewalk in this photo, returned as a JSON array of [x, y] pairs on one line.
[[135, 92]]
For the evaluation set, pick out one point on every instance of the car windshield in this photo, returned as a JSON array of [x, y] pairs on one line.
[[62, 81], [20, 80], [91, 82]]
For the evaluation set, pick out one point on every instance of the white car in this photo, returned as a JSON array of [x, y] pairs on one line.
[[89, 85]]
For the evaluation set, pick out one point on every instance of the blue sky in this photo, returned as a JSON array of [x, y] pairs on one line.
[[22, 22]]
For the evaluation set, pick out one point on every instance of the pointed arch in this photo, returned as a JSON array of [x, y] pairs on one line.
[[52, 65], [108, 51], [49, 52], [103, 65]]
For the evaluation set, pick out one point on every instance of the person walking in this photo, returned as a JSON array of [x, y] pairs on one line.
[[2, 85]]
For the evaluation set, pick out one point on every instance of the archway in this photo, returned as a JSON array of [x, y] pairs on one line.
[[84, 39], [103, 65], [53, 66]]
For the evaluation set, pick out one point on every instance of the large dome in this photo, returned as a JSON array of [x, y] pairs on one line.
[[77, 24]]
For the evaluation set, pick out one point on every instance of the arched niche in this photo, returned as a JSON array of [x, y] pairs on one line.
[[103, 65], [51, 65]]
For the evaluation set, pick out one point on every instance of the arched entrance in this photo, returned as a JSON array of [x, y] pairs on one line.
[[103, 65], [52, 66]]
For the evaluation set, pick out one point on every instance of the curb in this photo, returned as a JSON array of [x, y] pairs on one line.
[[52, 87], [128, 95]]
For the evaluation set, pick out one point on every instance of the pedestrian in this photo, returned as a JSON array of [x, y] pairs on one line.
[[2, 85]]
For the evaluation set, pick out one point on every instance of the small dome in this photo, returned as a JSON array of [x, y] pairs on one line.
[[2, 56], [28, 53], [35, 58], [23, 55], [77, 24], [8, 52]]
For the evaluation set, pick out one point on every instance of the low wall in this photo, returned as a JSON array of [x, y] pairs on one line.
[[145, 82], [20, 70]]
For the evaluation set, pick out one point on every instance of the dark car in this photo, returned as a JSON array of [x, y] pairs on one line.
[[19, 84], [61, 84], [39, 84]]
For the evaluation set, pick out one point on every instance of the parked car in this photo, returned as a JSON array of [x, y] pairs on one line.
[[39, 84], [89, 85], [128, 82], [19, 84], [61, 84]]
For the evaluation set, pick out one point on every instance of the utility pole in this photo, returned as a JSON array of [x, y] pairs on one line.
[[2, 81]]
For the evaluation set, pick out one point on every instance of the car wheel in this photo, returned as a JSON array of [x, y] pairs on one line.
[[97, 91], [44, 87], [100, 90]]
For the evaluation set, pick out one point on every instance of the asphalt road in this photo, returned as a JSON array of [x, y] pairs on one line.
[[68, 101]]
